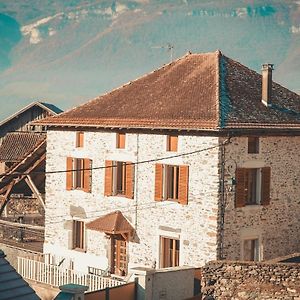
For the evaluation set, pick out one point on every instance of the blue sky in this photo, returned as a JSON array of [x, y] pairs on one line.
[[67, 52]]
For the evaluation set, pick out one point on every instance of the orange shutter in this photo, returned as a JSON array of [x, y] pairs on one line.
[[265, 185], [79, 139], [108, 178], [69, 174], [121, 140], [240, 193], [158, 194], [87, 175], [183, 188], [173, 143], [129, 189]]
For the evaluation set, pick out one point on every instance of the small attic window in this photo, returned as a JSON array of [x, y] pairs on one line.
[[253, 144], [79, 139], [120, 140]]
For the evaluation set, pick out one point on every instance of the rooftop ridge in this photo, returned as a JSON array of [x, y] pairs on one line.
[[133, 81]]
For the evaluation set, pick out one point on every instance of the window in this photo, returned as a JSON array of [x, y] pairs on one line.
[[79, 139], [252, 186], [119, 179], [169, 254], [171, 183], [253, 144], [120, 143], [251, 250], [78, 175], [172, 143], [78, 235]]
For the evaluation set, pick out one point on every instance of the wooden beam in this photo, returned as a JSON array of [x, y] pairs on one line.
[[21, 177], [6, 196], [34, 189], [15, 224]]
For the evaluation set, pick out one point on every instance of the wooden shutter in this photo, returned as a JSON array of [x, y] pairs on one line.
[[79, 139], [240, 193], [129, 189], [265, 185], [183, 188], [87, 175], [69, 174], [172, 143], [108, 178], [158, 193], [121, 137]]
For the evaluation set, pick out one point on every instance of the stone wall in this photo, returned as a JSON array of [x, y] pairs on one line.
[[277, 225], [242, 281], [195, 224]]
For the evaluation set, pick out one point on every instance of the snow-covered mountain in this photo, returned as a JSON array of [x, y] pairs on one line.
[[67, 51]]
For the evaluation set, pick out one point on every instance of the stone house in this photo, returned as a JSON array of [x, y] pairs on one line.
[[196, 161]]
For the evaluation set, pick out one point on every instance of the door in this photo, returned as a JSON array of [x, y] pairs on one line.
[[119, 256]]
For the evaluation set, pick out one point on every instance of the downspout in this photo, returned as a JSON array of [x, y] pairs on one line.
[[220, 255], [136, 180]]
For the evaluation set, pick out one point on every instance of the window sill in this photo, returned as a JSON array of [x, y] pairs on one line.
[[253, 207], [79, 250]]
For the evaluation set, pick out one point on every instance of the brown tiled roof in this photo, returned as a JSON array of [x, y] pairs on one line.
[[16, 145], [196, 92], [112, 223]]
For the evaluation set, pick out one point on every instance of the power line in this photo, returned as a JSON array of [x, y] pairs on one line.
[[105, 167]]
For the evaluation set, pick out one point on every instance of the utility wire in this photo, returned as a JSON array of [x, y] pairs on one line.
[[105, 167]]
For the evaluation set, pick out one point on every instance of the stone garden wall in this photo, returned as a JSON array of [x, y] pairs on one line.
[[242, 280]]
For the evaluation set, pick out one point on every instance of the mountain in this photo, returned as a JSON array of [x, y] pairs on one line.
[[68, 51]]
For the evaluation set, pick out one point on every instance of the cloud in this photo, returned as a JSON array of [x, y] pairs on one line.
[[295, 29], [32, 29]]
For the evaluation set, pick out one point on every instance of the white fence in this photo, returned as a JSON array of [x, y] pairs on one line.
[[56, 276]]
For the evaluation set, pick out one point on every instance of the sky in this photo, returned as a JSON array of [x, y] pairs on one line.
[[69, 51]]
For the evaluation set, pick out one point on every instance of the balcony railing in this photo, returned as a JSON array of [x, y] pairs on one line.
[[56, 276]]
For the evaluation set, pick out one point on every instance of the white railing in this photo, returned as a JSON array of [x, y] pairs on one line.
[[57, 276]]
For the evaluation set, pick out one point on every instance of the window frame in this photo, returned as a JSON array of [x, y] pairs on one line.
[[79, 174], [172, 143], [256, 255], [173, 257], [79, 139], [253, 144], [171, 183], [78, 178], [111, 184], [255, 199], [119, 177], [120, 140], [81, 246]]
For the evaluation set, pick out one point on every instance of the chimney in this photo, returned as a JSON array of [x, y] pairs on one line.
[[266, 72]]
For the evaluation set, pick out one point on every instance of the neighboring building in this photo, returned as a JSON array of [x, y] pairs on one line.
[[23, 151], [21, 120], [12, 285], [230, 189]]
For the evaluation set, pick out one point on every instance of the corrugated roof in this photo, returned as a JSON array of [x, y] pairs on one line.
[[112, 223], [16, 145], [12, 285], [196, 92]]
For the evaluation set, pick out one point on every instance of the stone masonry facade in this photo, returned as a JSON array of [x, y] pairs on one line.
[[195, 224], [276, 225]]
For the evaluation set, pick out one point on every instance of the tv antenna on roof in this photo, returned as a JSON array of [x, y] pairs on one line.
[[169, 48]]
